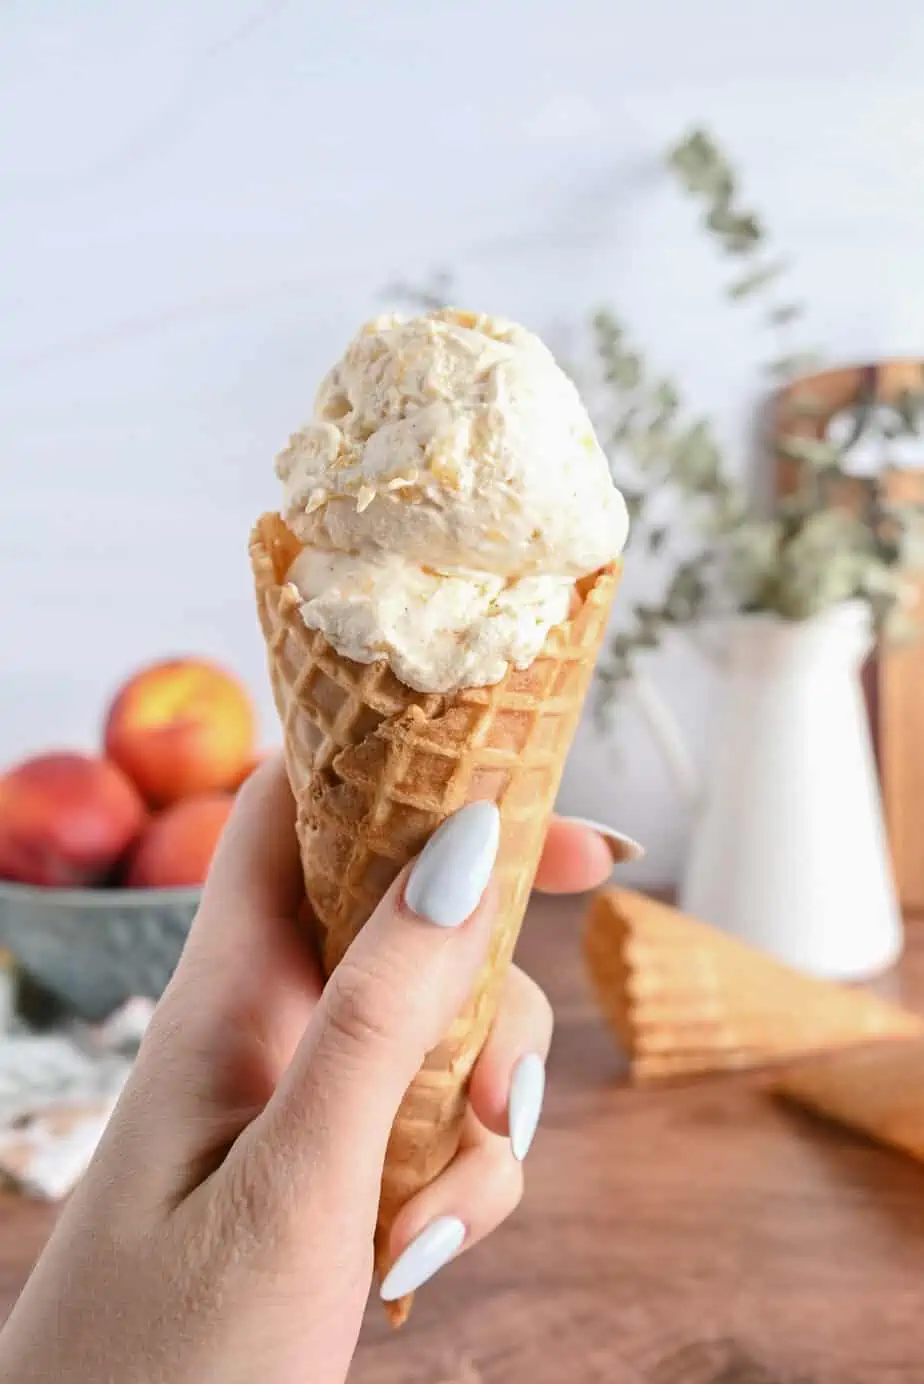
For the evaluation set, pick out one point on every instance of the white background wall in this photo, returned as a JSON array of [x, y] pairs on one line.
[[199, 202]]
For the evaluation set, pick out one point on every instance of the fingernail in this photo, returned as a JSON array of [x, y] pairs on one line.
[[622, 847], [452, 871], [425, 1256], [524, 1105]]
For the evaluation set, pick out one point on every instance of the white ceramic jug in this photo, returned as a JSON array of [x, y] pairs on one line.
[[789, 850]]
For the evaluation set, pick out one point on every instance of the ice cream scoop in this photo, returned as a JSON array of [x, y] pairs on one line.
[[448, 491]]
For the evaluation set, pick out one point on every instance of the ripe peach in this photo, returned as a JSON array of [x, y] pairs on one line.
[[181, 728], [65, 819], [177, 847]]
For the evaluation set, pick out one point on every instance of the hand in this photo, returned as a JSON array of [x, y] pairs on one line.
[[224, 1229]]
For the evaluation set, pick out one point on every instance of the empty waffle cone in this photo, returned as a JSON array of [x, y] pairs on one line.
[[375, 767], [877, 1089], [685, 999]]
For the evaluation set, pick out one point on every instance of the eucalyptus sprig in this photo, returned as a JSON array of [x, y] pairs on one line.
[[813, 550], [835, 537]]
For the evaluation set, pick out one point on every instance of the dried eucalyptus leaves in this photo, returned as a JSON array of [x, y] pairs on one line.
[[835, 537]]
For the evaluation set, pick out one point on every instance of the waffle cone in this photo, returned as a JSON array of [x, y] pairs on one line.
[[877, 1089], [685, 999], [375, 767]]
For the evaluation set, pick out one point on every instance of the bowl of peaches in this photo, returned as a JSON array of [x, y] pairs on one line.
[[102, 856]]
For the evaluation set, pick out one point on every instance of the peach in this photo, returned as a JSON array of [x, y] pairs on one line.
[[65, 819], [181, 728], [177, 847]]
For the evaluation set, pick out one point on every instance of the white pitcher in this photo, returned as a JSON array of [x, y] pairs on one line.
[[789, 850]]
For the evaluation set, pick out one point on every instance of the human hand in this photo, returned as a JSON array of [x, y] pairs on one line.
[[224, 1229]]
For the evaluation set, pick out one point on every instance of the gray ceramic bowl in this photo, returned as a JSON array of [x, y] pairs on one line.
[[95, 948]]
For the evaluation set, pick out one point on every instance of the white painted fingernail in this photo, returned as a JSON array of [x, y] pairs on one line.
[[452, 871], [524, 1105], [425, 1256], [622, 847]]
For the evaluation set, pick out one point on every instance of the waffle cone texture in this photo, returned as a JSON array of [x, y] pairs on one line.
[[375, 767], [685, 999]]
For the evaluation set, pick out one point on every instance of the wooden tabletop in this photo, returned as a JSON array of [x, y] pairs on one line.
[[705, 1234]]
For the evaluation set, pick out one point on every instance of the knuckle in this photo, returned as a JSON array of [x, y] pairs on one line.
[[249, 1195], [363, 1010], [251, 1214]]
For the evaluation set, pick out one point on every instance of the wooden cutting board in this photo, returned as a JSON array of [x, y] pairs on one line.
[[894, 678]]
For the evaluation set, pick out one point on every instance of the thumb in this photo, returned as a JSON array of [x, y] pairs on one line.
[[387, 1004]]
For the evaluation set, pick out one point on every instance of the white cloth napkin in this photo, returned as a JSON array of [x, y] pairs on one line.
[[57, 1092]]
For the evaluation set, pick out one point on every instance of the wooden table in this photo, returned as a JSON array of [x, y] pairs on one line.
[[697, 1235]]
